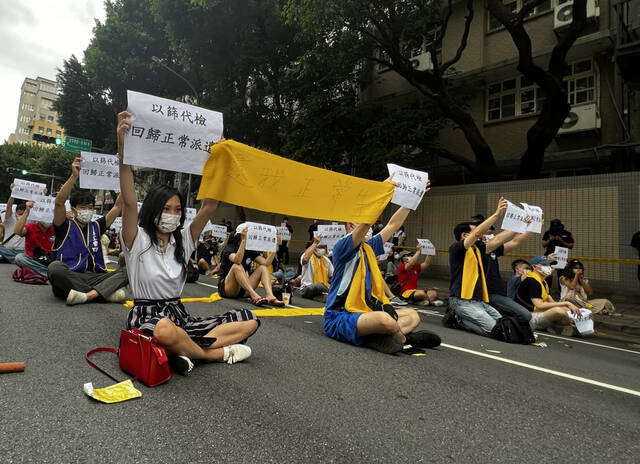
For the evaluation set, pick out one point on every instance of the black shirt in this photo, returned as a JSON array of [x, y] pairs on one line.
[[207, 253], [285, 243], [225, 262], [457, 253], [529, 288], [495, 284], [635, 240], [312, 228], [551, 247]]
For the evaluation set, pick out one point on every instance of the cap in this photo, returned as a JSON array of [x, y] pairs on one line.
[[240, 227], [541, 260], [404, 253]]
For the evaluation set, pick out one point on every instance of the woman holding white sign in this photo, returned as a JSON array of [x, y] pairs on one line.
[[157, 250]]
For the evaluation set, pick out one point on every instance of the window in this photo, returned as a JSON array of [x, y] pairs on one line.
[[516, 5], [31, 94], [40, 129], [521, 97], [28, 107], [48, 88], [24, 131], [46, 103], [49, 118], [58, 133], [49, 131]]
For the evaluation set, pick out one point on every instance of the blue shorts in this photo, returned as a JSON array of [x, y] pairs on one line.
[[341, 325]]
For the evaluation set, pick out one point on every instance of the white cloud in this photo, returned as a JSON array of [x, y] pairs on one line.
[[36, 36]]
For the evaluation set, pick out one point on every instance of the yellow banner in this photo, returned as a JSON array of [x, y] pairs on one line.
[[241, 175]]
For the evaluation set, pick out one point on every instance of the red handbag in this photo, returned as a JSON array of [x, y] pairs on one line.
[[139, 356]]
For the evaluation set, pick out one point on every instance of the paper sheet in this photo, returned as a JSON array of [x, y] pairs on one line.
[[42, 210], [562, 256], [99, 171], [387, 249], [330, 234], [261, 237], [27, 190], [583, 323], [284, 233], [411, 186], [426, 247]]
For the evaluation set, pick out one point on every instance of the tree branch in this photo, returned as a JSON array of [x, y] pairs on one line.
[[527, 8], [463, 41]]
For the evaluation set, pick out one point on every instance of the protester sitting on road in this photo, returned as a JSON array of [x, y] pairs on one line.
[[520, 269], [533, 294], [317, 271], [12, 243], [237, 277], [78, 273], [283, 249], [207, 255], [357, 310], [498, 297], [157, 248], [469, 295], [408, 273], [635, 243], [38, 238], [399, 237], [575, 288]]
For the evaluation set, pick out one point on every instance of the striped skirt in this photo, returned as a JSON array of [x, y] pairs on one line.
[[145, 314]]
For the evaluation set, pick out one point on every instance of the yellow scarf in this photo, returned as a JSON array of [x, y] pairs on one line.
[[356, 299], [241, 175], [470, 274], [545, 288], [320, 275]]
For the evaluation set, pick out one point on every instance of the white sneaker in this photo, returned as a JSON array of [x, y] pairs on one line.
[[74, 297], [397, 301], [437, 303], [117, 297], [180, 364], [236, 353]]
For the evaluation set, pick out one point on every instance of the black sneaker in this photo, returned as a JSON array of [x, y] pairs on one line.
[[423, 339], [383, 343], [180, 364]]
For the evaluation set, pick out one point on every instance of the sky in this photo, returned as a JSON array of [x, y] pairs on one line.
[[36, 36]]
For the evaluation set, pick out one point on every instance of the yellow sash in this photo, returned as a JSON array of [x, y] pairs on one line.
[[545, 288], [356, 299], [241, 175], [320, 275], [470, 274]]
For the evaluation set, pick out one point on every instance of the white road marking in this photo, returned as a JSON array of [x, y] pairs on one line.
[[575, 340], [545, 370]]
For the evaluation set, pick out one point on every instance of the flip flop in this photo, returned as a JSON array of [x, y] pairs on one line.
[[259, 301], [277, 303]]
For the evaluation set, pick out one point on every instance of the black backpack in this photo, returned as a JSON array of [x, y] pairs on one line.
[[513, 330]]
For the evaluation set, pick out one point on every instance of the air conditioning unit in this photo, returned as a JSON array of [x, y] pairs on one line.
[[422, 62], [581, 118], [562, 14]]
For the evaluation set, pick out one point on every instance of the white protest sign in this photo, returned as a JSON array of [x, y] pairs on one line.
[[514, 219], [27, 190], [583, 323], [562, 256], [330, 234], [535, 213], [42, 210], [218, 231], [284, 233], [190, 215], [99, 171], [260, 237], [169, 135], [387, 249], [411, 186], [3, 210], [426, 247], [117, 224], [139, 203], [96, 217]]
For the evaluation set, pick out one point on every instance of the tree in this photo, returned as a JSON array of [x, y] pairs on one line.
[[556, 107]]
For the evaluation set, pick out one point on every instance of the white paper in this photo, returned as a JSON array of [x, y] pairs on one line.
[[96, 217], [67, 205], [284, 233], [261, 237], [42, 210], [426, 247], [330, 234], [411, 186], [387, 249], [27, 190], [190, 215], [583, 323], [117, 224], [514, 219], [218, 231], [562, 256], [99, 171], [170, 135], [535, 213]]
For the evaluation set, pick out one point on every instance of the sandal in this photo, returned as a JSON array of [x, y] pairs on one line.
[[259, 301], [276, 302]]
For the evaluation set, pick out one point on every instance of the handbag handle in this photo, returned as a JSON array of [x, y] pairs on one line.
[[95, 366]]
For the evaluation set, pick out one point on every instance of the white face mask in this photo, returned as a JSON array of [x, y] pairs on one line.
[[84, 215], [168, 222], [369, 235], [321, 251], [396, 256], [545, 270]]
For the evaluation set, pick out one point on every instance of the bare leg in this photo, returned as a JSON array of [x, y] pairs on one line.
[[265, 278], [387, 291], [176, 341], [237, 279], [202, 264], [233, 332], [379, 322], [420, 295], [408, 319], [92, 295], [432, 295], [557, 315]]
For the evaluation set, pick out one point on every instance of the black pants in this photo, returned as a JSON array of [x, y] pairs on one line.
[[283, 254], [64, 279]]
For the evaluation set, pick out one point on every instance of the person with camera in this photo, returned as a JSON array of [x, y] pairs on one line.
[[38, 238]]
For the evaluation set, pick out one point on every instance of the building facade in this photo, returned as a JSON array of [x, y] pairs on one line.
[[37, 121], [602, 130]]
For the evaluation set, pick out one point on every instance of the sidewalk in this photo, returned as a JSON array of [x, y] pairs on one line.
[[624, 325]]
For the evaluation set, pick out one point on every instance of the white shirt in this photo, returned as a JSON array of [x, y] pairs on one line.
[[154, 274], [307, 270], [16, 242]]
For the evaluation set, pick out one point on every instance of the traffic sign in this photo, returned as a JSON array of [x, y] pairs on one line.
[[77, 144]]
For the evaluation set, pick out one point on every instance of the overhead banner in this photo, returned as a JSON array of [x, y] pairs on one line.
[[99, 171], [241, 175], [170, 135]]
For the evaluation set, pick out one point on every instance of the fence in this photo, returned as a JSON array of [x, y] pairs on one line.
[[602, 212]]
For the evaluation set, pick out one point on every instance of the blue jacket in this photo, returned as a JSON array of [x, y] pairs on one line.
[[78, 252]]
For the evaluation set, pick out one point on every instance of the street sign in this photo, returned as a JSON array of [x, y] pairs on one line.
[[76, 144]]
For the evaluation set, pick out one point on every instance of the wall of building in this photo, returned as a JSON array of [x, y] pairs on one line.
[[35, 111]]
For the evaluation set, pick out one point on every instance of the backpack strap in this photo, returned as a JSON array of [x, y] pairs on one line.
[[10, 237]]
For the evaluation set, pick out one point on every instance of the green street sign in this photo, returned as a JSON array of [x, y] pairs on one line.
[[77, 144]]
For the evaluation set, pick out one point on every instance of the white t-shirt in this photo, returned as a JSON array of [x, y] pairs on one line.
[[16, 242], [154, 274], [307, 270]]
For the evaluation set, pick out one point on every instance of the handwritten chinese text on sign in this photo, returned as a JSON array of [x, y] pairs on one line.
[[261, 237], [426, 247], [562, 256], [99, 171], [330, 234], [27, 190], [411, 186]]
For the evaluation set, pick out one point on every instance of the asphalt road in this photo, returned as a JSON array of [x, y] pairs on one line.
[[303, 397]]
